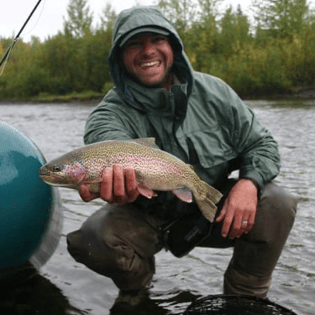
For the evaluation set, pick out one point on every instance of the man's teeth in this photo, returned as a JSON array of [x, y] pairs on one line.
[[149, 64]]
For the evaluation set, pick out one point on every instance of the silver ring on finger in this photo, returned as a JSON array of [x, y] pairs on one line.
[[244, 223]]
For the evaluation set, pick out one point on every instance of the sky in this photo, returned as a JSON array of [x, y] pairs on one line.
[[49, 17]]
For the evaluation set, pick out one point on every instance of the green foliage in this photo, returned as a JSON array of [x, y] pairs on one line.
[[74, 96], [254, 71], [234, 31], [79, 20], [109, 17], [298, 58], [181, 12], [107, 86], [273, 55], [281, 18], [24, 74]]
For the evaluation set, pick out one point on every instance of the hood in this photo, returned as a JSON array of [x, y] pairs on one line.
[[146, 17]]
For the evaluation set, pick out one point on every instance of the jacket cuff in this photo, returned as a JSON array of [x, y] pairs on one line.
[[256, 178]]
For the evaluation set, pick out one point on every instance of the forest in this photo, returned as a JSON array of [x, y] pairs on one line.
[[270, 52]]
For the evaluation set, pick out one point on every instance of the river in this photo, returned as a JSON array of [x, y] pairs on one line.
[[58, 128]]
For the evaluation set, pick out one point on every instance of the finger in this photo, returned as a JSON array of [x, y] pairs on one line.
[[236, 228], [244, 226], [251, 223], [247, 222], [85, 193], [131, 184], [106, 189], [227, 222], [119, 183], [222, 213]]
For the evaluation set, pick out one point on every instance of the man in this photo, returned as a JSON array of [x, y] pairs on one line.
[[201, 120]]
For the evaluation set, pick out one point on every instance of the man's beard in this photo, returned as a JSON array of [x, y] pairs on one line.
[[165, 82]]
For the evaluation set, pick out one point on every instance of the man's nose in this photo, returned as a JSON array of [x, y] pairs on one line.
[[147, 47]]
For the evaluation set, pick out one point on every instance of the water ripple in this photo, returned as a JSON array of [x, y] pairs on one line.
[[57, 129]]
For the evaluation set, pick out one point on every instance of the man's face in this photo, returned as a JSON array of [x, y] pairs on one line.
[[148, 59]]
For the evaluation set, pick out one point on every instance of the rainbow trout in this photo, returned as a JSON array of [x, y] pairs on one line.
[[155, 170]]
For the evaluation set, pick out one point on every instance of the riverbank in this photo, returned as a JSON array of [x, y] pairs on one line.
[[296, 92], [84, 98], [303, 93]]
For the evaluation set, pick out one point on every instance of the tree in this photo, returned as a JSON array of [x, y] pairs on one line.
[[281, 18], [208, 9], [79, 22], [234, 31], [108, 17], [182, 13]]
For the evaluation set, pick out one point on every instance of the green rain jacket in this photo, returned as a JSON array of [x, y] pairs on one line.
[[201, 120]]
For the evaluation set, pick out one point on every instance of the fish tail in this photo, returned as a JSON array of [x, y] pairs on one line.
[[207, 208], [207, 202], [213, 194]]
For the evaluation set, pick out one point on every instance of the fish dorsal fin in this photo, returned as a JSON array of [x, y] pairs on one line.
[[149, 142], [191, 166]]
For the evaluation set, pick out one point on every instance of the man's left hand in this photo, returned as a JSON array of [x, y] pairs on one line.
[[239, 210]]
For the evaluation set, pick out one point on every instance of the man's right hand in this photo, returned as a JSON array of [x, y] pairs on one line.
[[118, 185]]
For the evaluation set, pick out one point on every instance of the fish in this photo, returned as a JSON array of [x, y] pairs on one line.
[[156, 170]]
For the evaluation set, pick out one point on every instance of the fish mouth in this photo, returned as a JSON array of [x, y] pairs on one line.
[[44, 175], [43, 172], [52, 180], [48, 179]]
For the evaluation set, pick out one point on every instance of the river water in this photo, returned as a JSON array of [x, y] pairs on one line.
[[58, 128]]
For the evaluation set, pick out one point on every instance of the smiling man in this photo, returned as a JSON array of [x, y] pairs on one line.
[[148, 59], [202, 121]]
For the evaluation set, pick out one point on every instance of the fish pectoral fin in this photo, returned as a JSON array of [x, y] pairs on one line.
[[145, 191], [183, 194]]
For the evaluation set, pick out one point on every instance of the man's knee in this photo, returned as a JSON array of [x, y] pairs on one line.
[[278, 203], [89, 247], [277, 197], [116, 244], [275, 214], [256, 253]]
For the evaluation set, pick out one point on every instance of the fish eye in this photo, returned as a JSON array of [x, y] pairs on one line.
[[57, 168]]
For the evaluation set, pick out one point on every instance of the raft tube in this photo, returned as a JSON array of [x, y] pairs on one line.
[[30, 211]]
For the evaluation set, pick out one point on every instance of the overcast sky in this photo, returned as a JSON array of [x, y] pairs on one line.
[[49, 16]]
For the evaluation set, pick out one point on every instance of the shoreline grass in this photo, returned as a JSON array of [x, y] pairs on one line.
[[95, 97]]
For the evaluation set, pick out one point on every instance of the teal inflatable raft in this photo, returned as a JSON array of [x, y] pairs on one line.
[[30, 211]]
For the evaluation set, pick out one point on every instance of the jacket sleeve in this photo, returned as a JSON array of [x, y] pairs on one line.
[[106, 122], [257, 149]]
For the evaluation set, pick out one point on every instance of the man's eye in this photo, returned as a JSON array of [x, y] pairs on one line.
[[133, 44], [159, 38]]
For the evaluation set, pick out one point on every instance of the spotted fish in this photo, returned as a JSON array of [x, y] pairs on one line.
[[156, 170]]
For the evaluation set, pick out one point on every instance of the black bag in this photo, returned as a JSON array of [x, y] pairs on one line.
[[184, 233]]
